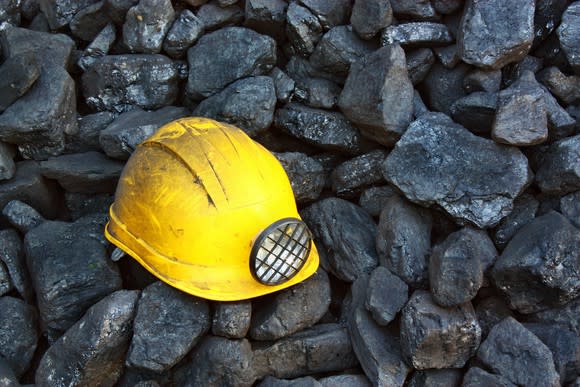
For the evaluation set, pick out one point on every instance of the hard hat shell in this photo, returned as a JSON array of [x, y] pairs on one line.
[[190, 203]]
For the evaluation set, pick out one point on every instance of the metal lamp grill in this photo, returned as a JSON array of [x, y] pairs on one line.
[[280, 251]]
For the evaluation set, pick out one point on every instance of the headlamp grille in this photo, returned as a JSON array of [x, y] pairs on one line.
[[280, 251]]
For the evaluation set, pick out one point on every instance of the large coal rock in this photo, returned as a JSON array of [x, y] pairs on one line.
[[431, 165], [156, 348], [570, 207], [17, 74], [59, 13], [525, 208], [89, 21], [330, 13], [476, 111], [91, 352], [416, 34], [386, 295], [185, 30], [477, 377], [515, 353], [559, 171], [565, 87], [346, 233], [306, 175], [22, 216], [231, 319], [495, 33], [569, 35], [12, 255], [368, 17], [567, 315], [436, 378], [350, 177], [539, 268], [146, 25], [70, 269], [378, 95], [303, 30], [226, 55], [267, 17], [374, 199], [442, 86]]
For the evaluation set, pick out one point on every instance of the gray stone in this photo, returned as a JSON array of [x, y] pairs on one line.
[[317, 92], [495, 33], [247, 103], [346, 380], [346, 233], [87, 137], [7, 165], [349, 178], [386, 295], [306, 175], [70, 269], [184, 32], [565, 87], [560, 123], [291, 310], [121, 137], [447, 56], [79, 204], [436, 378], [442, 86], [525, 208], [99, 47], [267, 17], [146, 25], [457, 265], [18, 333], [5, 282], [476, 377], [231, 319], [476, 111], [482, 80], [446, 6], [7, 375], [90, 172], [378, 95], [570, 207], [217, 361], [419, 62], [283, 83], [567, 316], [303, 30], [417, 34], [569, 35], [436, 337], [121, 82], [214, 16], [515, 353], [325, 129], [307, 381], [368, 17], [223, 56], [559, 172], [89, 21], [11, 254], [330, 13], [338, 49], [538, 269], [521, 117], [374, 199], [320, 349], [91, 352], [404, 240], [565, 347], [29, 186], [17, 74], [22, 216], [156, 348], [60, 12], [429, 160]]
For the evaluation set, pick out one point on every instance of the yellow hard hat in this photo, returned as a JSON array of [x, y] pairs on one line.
[[211, 212]]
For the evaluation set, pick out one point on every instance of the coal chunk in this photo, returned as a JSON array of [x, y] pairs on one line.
[[569, 35], [231, 319], [303, 30], [146, 25], [156, 348], [292, 310], [495, 33], [5, 282], [482, 80], [317, 92], [419, 62], [374, 199], [86, 139], [368, 17], [214, 15], [89, 21], [247, 103], [306, 175], [99, 47], [18, 333], [330, 13], [226, 55], [322, 348], [284, 85], [386, 295], [442, 86], [59, 13], [476, 111], [561, 124], [443, 377], [350, 177], [457, 265], [307, 381], [7, 375], [7, 165], [476, 377], [91, 352], [338, 49], [570, 207], [568, 316], [121, 137], [70, 269], [267, 17], [10, 12], [527, 362], [326, 129], [428, 160], [436, 337], [447, 55], [525, 209], [347, 233], [11, 254], [490, 311], [17, 74], [538, 269], [22, 216], [346, 380], [184, 32], [565, 87], [559, 171], [404, 240], [378, 95], [120, 82], [79, 204], [417, 34]]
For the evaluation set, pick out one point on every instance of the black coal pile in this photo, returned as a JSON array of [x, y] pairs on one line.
[[433, 147]]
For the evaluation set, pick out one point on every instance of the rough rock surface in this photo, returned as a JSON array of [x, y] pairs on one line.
[[374, 199], [17, 75], [525, 209], [430, 165], [184, 32], [146, 24], [476, 111], [355, 174], [11, 254], [569, 34], [386, 295], [368, 17], [476, 377], [267, 17], [560, 168], [303, 29], [7, 166], [306, 175], [231, 319], [570, 207], [18, 333], [22, 216], [417, 34]]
